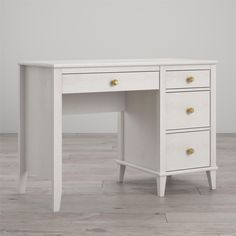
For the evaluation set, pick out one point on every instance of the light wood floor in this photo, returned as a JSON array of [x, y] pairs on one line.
[[93, 203]]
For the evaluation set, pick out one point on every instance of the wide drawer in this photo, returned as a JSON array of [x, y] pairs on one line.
[[187, 79], [187, 150], [108, 82], [187, 110]]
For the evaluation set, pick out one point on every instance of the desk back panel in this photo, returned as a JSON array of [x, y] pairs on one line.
[[93, 103]]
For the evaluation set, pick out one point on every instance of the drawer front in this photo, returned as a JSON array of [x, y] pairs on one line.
[[187, 79], [187, 150], [187, 110], [109, 82]]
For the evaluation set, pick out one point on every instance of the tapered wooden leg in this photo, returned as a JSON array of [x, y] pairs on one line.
[[121, 144], [23, 174], [57, 142], [56, 195], [211, 177], [23, 181], [122, 173], [161, 185], [21, 135], [57, 176]]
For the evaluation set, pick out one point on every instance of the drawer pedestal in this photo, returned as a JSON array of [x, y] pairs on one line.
[[185, 137]]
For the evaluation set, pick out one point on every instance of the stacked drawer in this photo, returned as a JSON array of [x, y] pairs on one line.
[[187, 119]]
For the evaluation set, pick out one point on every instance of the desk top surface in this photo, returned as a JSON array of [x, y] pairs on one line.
[[117, 62]]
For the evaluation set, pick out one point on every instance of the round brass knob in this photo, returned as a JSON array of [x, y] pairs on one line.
[[114, 82], [189, 151], [190, 110], [190, 79]]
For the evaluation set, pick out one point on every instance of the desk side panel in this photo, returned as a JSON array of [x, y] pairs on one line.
[[36, 124]]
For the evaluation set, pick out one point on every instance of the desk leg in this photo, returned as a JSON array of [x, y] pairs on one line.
[[121, 144], [57, 174], [161, 110], [57, 142], [122, 173], [211, 177], [23, 171], [57, 183], [161, 185], [22, 180], [23, 175], [21, 134]]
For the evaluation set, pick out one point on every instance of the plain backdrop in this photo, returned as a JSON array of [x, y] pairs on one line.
[[108, 29]]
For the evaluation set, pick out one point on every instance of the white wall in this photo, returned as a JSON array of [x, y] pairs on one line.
[[78, 29]]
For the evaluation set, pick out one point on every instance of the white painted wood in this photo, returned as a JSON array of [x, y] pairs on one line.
[[192, 170], [57, 139], [101, 82], [213, 116], [211, 177], [176, 172], [40, 127], [21, 141], [107, 69], [188, 67], [122, 173], [93, 102], [138, 167], [177, 145], [140, 132], [161, 120], [161, 185], [178, 103], [151, 98], [186, 130], [36, 120], [187, 90], [178, 79], [121, 135], [121, 144], [119, 63]]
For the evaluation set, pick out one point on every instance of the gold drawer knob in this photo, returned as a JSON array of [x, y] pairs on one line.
[[190, 110], [114, 82], [190, 79], [189, 151]]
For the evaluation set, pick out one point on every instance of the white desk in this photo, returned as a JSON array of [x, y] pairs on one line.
[[166, 113]]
